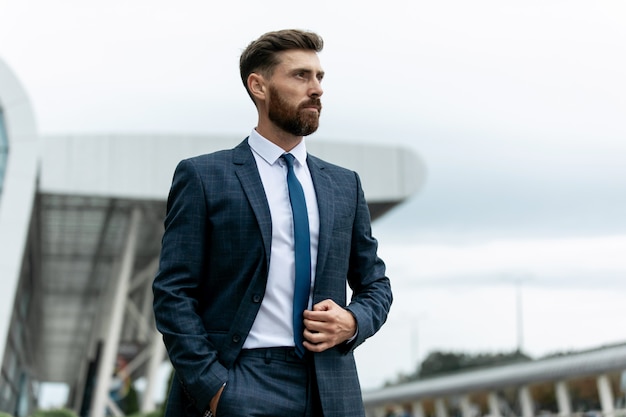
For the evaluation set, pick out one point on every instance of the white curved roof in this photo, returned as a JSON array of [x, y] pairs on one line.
[[141, 166]]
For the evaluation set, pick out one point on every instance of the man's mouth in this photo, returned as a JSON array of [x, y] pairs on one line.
[[313, 106]]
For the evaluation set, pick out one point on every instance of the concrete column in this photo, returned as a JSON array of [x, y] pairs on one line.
[[80, 385], [113, 408], [440, 408], [418, 409], [526, 402], [152, 374], [146, 307], [142, 327], [606, 396], [111, 342], [563, 399], [466, 406], [494, 404]]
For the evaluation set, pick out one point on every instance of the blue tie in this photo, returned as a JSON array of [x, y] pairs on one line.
[[302, 248]]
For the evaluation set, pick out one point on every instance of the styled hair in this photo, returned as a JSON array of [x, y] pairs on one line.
[[261, 55]]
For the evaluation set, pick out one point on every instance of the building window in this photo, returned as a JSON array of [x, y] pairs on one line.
[[4, 149]]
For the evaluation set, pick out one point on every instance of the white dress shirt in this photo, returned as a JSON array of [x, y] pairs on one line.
[[273, 325]]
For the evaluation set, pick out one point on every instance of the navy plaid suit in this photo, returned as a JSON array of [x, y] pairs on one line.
[[213, 271]]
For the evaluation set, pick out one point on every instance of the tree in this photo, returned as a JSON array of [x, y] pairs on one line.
[[438, 363], [441, 363]]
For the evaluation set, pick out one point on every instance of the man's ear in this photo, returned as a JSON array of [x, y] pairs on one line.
[[257, 85]]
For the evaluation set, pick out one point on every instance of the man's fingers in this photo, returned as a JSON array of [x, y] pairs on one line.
[[324, 305], [324, 311], [316, 322], [319, 347], [327, 325], [314, 337]]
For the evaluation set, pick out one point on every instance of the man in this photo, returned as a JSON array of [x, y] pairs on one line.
[[259, 243]]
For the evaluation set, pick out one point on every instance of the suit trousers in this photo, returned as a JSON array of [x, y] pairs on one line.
[[270, 382]]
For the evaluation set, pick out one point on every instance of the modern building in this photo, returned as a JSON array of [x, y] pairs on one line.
[[80, 228]]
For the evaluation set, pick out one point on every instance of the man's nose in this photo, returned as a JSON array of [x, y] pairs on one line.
[[316, 89]]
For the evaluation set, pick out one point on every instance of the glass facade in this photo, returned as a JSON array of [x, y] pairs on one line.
[[4, 149], [17, 385]]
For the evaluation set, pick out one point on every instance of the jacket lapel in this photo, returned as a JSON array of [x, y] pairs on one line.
[[248, 174], [324, 193]]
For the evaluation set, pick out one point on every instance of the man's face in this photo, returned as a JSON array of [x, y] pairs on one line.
[[294, 92]]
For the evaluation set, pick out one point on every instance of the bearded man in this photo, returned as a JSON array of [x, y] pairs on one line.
[[259, 243]]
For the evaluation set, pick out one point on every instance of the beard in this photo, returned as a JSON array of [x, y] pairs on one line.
[[294, 119]]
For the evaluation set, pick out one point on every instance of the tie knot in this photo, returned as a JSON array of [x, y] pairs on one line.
[[289, 158]]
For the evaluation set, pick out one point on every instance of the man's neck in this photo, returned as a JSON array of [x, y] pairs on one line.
[[279, 137]]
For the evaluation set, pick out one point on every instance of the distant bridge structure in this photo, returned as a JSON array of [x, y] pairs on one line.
[[459, 394]]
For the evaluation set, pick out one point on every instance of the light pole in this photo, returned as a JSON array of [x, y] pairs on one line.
[[520, 315], [414, 321], [519, 306]]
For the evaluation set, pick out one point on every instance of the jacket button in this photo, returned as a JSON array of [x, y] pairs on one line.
[[256, 298], [236, 338]]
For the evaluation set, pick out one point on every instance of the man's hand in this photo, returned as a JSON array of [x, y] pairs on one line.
[[327, 325], [215, 400]]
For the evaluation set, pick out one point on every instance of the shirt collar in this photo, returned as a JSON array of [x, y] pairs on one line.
[[271, 152]]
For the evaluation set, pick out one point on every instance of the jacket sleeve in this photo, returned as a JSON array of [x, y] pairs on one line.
[[177, 285], [371, 289]]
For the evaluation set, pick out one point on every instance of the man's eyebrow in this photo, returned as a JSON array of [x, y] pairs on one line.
[[308, 71]]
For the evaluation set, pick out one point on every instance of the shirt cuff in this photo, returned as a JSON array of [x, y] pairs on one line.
[[356, 333]]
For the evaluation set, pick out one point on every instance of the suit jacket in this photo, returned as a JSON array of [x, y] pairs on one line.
[[213, 271]]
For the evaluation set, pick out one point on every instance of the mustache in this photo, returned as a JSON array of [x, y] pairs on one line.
[[314, 102]]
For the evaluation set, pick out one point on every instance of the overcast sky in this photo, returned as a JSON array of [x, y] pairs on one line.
[[516, 108]]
